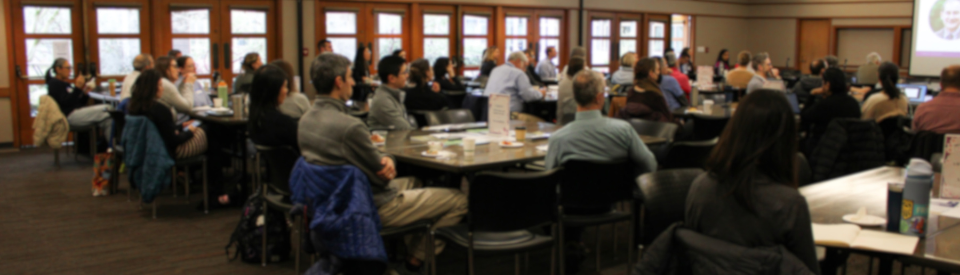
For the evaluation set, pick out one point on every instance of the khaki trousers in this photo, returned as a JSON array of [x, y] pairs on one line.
[[444, 206]]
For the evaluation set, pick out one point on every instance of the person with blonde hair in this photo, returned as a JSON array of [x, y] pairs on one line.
[[489, 60], [624, 75]]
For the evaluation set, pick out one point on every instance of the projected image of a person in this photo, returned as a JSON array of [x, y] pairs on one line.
[[950, 16]]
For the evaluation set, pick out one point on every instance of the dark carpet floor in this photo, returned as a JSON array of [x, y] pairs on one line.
[[50, 224]]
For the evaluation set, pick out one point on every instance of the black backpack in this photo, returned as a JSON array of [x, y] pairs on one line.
[[248, 236]]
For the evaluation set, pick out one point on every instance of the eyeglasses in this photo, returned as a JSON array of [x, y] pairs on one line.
[[67, 67]]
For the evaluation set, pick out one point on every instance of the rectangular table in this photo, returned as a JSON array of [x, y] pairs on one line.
[[830, 200], [487, 156]]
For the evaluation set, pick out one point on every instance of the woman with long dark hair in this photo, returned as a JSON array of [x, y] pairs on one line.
[[445, 74], [251, 62], [645, 100], [361, 76], [748, 195], [169, 72], [685, 64], [296, 103], [182, 140], [723, 63], [267, 125], [889, 102], [423, 95], [72, 97]]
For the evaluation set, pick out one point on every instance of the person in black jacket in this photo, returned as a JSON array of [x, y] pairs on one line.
[[836, 103], [361, 75], [489, 61], [748, 195], [531, 70], [444, 74], [423, 95], [72, 97], [267, 125], [143, 102]]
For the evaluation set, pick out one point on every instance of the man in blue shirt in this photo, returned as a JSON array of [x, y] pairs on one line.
[[669, 85], [545, 68], [511, 80], [593, 137]]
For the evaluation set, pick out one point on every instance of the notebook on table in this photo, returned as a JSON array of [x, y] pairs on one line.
[[849, 235]]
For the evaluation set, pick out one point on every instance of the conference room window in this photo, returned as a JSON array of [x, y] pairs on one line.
[[599, 54], [118, 39], [475, 41], [680, 32], [248, 29], [436, 36], [516, 32], [341, 27], [550, 36], [656, 40], [48, 33], [389, 35], [191, 33], [628, 37]]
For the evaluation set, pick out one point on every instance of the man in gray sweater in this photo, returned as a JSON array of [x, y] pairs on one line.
[[387, 109], [330, 136]]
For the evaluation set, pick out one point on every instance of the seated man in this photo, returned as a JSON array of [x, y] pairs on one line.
[[624, 76], [809, 82], [546, 69], [739, 77], [681, 78], [141, 62], [940, 114], [510, 79], [836, 103], [387, 109], [868, 73], [593, 137], [764, 70], [330, 136]]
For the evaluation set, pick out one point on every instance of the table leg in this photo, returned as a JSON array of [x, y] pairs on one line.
[[885, 267], [833, 260]]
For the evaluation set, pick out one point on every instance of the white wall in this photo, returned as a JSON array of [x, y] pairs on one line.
[[853, 45], [717, 33]]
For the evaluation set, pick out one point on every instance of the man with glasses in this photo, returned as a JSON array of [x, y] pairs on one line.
[[387, 110]]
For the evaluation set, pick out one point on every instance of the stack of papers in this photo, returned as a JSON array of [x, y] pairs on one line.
[[848, 235]]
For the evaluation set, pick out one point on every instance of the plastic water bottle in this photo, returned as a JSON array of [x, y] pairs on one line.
[[222, 91], [916, 198]]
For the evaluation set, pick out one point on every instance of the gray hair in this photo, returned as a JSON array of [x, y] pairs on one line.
[[586, 85], [873, 58], [142, 61], [518, 55], [325, 70], [760, 59], [671, 59], [578, 51]]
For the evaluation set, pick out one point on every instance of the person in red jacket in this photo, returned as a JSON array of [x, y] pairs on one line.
[[675, 73]]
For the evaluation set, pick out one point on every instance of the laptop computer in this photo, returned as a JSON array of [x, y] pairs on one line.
[[916, 93]]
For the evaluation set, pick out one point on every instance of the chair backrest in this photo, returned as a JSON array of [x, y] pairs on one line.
[[119, 120], [707, 127], [804, 174], [688, 154], [590, 184], [512, 201], [654, 128], [664, 195], [280, 162], [453, 116]]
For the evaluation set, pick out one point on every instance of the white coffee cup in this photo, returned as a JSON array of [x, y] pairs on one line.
[[469, 146], [434, 147], [707, 106], [217, 102]]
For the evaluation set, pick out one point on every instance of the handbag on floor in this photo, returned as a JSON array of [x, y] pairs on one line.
[[248, 234], [102, 169]]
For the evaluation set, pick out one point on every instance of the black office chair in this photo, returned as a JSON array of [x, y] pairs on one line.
[[591, 185], [664, 130], [688, 154], [453, 116], [186, 163], [706, 127], [502, 207], [664, 195], [276, 192]]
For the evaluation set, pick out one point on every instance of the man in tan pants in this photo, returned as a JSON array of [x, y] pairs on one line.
[[328, 135]]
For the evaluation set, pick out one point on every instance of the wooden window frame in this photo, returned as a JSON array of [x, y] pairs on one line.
[[490, 14], [667, 21], [419, 35], [91, 7]]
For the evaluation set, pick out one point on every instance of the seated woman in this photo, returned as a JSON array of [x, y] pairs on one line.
[[188, 85], [423, 95], [72, 97], [182, 140], [267, 125], [890, 102], [566, 105], [167, 67], [296, 104], [251, 62], [836, 103], [645, 101], [748, 195], [363, 89], [444, 73]]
